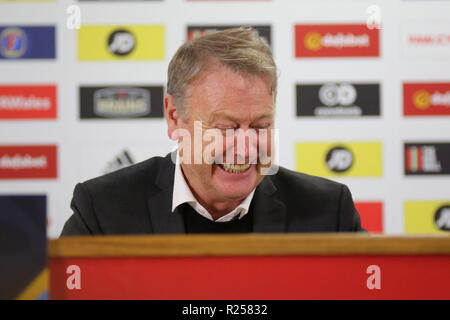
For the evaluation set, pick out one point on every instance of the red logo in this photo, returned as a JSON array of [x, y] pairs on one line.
[[371, 215], [429, 39], [342, 40], [28, 102], [426, 99], [28, 162]]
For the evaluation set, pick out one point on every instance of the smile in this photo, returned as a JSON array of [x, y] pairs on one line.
[[234, 168]]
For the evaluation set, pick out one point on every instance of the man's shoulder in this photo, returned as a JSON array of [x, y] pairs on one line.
[[136, 176], [292, 181], [315, 204], [114, 203]]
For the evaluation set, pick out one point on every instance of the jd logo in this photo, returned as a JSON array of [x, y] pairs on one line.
[[442, 218], [339, 159], [121, 42]]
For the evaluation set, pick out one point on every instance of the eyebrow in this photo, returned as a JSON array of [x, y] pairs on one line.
[[227, 116]]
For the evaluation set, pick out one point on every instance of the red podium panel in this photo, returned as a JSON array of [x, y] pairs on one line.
[[251, 267]]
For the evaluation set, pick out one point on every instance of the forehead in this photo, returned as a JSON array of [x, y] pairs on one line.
[[224, 92]]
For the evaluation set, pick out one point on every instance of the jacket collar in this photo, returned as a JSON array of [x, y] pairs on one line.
[[160, 202], [269, 214]]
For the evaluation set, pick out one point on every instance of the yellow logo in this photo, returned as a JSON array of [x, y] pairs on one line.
[[135, 42], [421, 99], [426, 217], [313, 41], [354, 159]]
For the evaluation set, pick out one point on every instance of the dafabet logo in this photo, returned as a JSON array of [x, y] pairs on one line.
[[341, 40], [28, 162], [426, 99]]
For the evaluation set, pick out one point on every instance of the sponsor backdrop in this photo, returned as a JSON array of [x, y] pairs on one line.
[[364, 97]]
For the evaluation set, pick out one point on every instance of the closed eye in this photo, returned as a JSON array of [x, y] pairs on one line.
[[262, 126], [224, 128]]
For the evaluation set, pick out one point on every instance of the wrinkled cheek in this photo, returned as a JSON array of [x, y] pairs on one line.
[[265, 147], [212, 147]]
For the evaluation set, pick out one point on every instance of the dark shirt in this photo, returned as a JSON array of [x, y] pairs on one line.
[[196, 223]]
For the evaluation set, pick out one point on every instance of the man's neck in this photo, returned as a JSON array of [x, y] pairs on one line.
[[217, 209]]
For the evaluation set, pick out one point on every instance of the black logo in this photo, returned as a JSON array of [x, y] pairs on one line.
[[338, 99], [121, 42], [263, 31], [122, 160], [442, 218], [427, 158], [121, 102], [339, 159]]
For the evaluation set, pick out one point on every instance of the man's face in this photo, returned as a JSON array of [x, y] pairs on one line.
[[229, 103]]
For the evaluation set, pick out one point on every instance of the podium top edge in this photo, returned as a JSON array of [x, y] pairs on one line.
[[248, 245]]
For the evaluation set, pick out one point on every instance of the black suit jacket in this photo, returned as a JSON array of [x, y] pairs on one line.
[[138, 200]]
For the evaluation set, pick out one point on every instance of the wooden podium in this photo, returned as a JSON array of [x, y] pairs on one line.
[[250, 266]]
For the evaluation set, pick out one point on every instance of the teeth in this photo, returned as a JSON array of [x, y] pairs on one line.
[[235, 168]]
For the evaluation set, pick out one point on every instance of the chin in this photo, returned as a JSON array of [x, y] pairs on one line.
[[235, 193], [234, 185]]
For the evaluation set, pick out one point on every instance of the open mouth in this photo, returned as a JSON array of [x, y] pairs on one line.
[[234, 168]]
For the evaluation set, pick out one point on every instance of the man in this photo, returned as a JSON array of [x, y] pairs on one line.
[[223, 85]]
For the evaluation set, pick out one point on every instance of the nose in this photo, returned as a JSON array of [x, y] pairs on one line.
[[245, 146]]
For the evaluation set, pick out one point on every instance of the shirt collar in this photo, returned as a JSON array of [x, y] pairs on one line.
[[183, 194]]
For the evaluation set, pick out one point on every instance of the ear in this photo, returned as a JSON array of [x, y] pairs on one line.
[[172, 117]]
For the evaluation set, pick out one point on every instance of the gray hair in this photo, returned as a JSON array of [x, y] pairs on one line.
[[240, 49]]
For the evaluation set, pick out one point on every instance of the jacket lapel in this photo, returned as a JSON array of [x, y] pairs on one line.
[[269, 214], [160, 202]]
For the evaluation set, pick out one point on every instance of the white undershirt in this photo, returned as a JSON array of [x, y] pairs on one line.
[[182, 194]]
